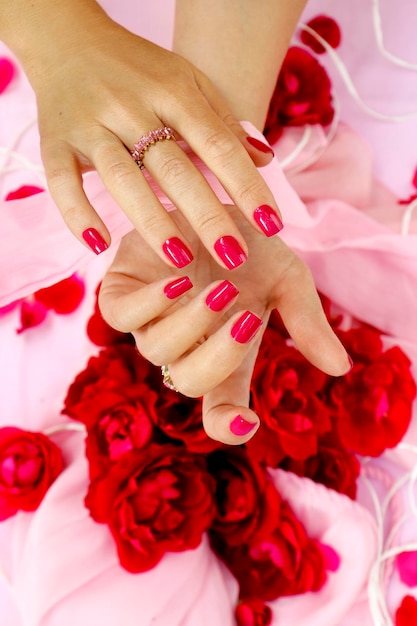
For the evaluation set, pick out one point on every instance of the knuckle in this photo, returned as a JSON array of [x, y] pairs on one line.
[[220, 146], [120, 173], [153, 351], [251, 190], [173, 169]]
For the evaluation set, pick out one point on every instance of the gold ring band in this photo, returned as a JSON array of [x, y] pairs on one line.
[[167, 380]]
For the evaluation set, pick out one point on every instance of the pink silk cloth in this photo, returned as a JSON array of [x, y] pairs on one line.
[[61, 568]]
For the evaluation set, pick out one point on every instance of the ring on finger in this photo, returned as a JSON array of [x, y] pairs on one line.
[[167, 380], [146, 141]]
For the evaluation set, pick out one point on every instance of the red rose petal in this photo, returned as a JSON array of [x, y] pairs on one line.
[[328, 30], [31, 314], [24, 192], [7, 72], [406, 614], [63, 297], [407, 568]]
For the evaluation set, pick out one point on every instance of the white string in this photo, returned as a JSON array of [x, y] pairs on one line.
[[340, 66], [379, 36]]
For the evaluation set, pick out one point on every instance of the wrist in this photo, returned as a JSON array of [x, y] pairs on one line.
[[45, 33]]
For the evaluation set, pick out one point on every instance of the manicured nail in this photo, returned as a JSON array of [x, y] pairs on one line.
[[177, 287], [177, 252], [93, 239], [221, 296], [268, 220], [230, 252], [245, 328], [240, 426], [259, 145]]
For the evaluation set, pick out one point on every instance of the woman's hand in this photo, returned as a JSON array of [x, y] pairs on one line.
[[100, 89], [207, 338]]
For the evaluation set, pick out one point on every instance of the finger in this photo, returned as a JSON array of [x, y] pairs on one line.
[[209, 364], [66, 187], [189, 191], [299, 305], [168, 339], [127, 304], [259, 150], [217, 146], [226, 416], [131, 191]]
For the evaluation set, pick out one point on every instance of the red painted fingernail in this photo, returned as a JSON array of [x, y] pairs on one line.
[[94, 240], [259, 145], [230, 252], [177, 287], [246, 327], [177, 252], [240, 427], [268, 220], [221, 296]]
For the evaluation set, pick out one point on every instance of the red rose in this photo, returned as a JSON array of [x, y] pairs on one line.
[[373, 401], [302, 94], [247, 500], [153, 502], [29, 464], [406, 614], [284, 563], [121, 427], [332, 466], [328, 30], [116, 371], [181, 418], [285, 391], [253, 612]]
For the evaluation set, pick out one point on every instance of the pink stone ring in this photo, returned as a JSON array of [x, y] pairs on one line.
[[148, 140]]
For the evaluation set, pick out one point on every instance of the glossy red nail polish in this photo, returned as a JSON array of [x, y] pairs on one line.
[[177, 252], [221, 295], [246, 327], [230, 252], [259, 145], [94, 240], [240, 427], [177, 287], [268, 220]]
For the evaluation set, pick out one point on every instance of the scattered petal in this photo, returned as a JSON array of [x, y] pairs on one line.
[[328, 30], [7, 72]]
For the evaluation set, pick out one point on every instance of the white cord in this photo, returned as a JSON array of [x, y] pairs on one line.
[[377, 22]]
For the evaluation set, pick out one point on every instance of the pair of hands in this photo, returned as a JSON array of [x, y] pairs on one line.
[[101, 90]]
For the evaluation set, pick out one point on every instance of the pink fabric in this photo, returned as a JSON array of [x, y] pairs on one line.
[[60, 567]]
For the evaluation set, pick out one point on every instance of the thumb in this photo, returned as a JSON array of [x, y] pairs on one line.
[[226, 414]]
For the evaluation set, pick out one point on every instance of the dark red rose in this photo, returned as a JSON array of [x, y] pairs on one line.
[[332, 466], [63, 297], [29, 464], [287, 562], [181, 418], [121, 427], [154, 502], [253, 612], [285, 390], [116, 371], [24, 192], [373, 401], [406, 614], [247, 501], [302, 94], [328, 30]]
